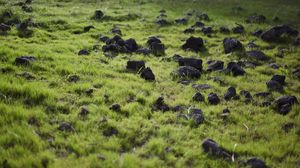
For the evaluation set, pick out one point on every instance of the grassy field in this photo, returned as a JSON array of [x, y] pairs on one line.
[[36, 99]]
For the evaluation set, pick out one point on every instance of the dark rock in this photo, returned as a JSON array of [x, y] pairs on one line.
[[203, 16], [89, 91], [181, 21], [211, 147], [252, 45], [224, 30], [197, 116], [84, 111], [262, 94], [66, 126], [274, 34], [153, 39], [176, 57], [147, 74], [160, 105], [194, 44], [88, 28], [188, 72], [231, 92], [235, 69], [135, 65], [110, 131], [283, 104], [266, 104], [231, 45], [131, 45], [213, 98], [201, 86], [157, 49], [4, 28], [98, 15], [198, 24], [279, 78], [226, 110], [189, 30], [162, 22], [257, 33], [24, 60], [144, 51], [207, 30], [33, 121], [215, 65], [246, 94], [115, 107], [258, 55], [276, 83], [239, 29], [225, 113], [73, 78], [116, 30], [274, 65], [256, 163], [256, 19], [84, 52], [198, 97], [192, 62]]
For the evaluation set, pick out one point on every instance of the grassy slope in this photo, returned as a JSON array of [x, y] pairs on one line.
[[143, 135]]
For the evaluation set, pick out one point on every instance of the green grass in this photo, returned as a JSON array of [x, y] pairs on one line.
[[145, 138]]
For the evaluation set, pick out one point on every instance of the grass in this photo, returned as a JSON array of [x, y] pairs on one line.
[[31, 110]]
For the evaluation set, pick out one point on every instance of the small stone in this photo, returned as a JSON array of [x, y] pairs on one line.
[[73, 78], [193, 62], [147, 74], [256, 163], [274, 86], [239, 29], [231, 45], [193, 44], [157, 49], [24, 60], [98, 15], [88, 28], [279, 78], [66, 126], [115, 107], [231, 92], [135, 65], [160, 105], [284, 104], [235, 69], [84, 111], [197, 116], [213, 99], [187, 72], [110, 131], [83, 52], [198, 97], [274, 65], [275, 33], [258, 55], [211, 147], [215, 65], [224, 30]]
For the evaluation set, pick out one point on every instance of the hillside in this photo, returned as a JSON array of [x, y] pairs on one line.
[[149, 83]]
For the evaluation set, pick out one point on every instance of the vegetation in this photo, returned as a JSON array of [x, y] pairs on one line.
[[36, 99]]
